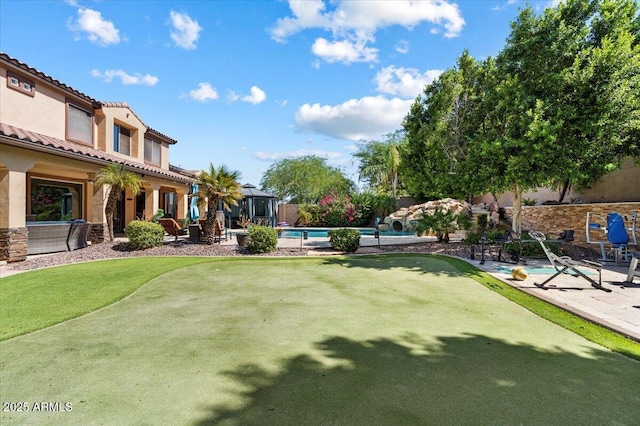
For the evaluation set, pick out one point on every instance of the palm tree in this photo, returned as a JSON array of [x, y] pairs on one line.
[[118, 179], [379, 163], [218, 185]]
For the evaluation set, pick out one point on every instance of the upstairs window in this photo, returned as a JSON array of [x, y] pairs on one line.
[[79, 124], [20, 84], [152, 151], [121, 140]]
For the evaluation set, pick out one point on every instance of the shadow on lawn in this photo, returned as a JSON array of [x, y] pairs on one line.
[[456, 380], [421, 263]]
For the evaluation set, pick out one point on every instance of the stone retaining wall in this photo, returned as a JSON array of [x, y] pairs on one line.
[[554, 219]]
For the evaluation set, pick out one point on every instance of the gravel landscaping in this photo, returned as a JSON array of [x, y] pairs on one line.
[[112, 250]]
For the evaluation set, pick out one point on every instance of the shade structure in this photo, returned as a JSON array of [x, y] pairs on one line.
[[256, 205]]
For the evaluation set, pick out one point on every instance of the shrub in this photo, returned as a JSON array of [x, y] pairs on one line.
[[442, 222], [345, 239], [262, 239], [334, 209], [143, 235]]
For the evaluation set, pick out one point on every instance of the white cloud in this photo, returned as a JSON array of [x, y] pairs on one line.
[[185, 30], [402, 47], [367, 16], [276, 156], [345, 51], [354, 120], [126, 79], [98, 30], [405, 82], [204, 93], [257, 96]]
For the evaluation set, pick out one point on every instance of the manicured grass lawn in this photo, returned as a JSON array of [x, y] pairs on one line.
[[365, 340], [38, 299]]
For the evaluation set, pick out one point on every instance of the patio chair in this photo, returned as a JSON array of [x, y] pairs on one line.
[[567, 265], [171, 227]]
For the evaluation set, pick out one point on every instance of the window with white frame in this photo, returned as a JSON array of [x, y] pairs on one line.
[[121, 140], [20, 84], [79, 124], [152, 151]]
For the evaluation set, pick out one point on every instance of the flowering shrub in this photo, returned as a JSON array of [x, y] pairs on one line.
[[332, 210]]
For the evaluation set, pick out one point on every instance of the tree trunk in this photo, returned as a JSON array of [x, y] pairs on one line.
[[516, 224], [563, 190], [110, 208], [210, 224]]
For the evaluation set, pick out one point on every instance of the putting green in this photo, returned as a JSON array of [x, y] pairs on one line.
[[363, 340]]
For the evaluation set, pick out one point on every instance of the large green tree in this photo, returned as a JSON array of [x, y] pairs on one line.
[[439, 128], [304, 179], [218, 185], [379, 163], [568, 97], [118, 179], [559, 105]]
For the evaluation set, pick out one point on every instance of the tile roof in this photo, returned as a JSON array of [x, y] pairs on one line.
[[37, 141], [149, 129], [34, 72], [96, 104]]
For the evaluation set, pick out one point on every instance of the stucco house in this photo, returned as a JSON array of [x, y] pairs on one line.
[[53, 141]]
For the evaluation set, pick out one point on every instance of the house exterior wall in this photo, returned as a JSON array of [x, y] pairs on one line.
[[23, 160], [43, 113]]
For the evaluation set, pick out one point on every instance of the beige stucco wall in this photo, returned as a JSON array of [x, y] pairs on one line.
[[43, 113], [124, 117], [623, 185]]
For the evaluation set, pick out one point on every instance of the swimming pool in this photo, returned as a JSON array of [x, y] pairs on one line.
[[323, 232]]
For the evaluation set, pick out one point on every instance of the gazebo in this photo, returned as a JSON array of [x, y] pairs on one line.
[[259, 207]]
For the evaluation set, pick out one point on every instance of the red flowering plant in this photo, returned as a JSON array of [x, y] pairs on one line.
[[335, 209]]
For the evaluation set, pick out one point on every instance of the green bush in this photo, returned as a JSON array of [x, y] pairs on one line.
[[143, 235], [262, 239], [344, 239]]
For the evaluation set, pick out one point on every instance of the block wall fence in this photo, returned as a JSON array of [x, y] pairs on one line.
[[553, 219]]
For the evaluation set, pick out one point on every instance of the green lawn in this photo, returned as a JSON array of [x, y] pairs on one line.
[[405, 339]]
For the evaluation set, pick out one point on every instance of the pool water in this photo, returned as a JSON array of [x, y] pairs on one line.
[[323, 233]]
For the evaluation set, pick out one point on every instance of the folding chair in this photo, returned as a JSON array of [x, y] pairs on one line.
[[566, 265]]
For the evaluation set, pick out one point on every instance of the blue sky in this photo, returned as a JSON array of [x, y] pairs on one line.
[[247, 83]]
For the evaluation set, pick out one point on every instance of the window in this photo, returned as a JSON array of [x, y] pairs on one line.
[[20, 84], [55, 200], [121, 140], [152, 151], [170, 204], [79, 124]]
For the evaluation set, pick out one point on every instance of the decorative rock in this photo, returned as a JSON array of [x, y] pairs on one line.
[[402, 220]]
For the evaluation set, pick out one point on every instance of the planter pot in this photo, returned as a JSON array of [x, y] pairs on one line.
[[243, 239]]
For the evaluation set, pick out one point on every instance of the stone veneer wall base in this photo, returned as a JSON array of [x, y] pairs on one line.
[[13, 244]]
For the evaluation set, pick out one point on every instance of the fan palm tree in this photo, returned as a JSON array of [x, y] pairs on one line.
[[379, 163], [118, 179], [218, 185]]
